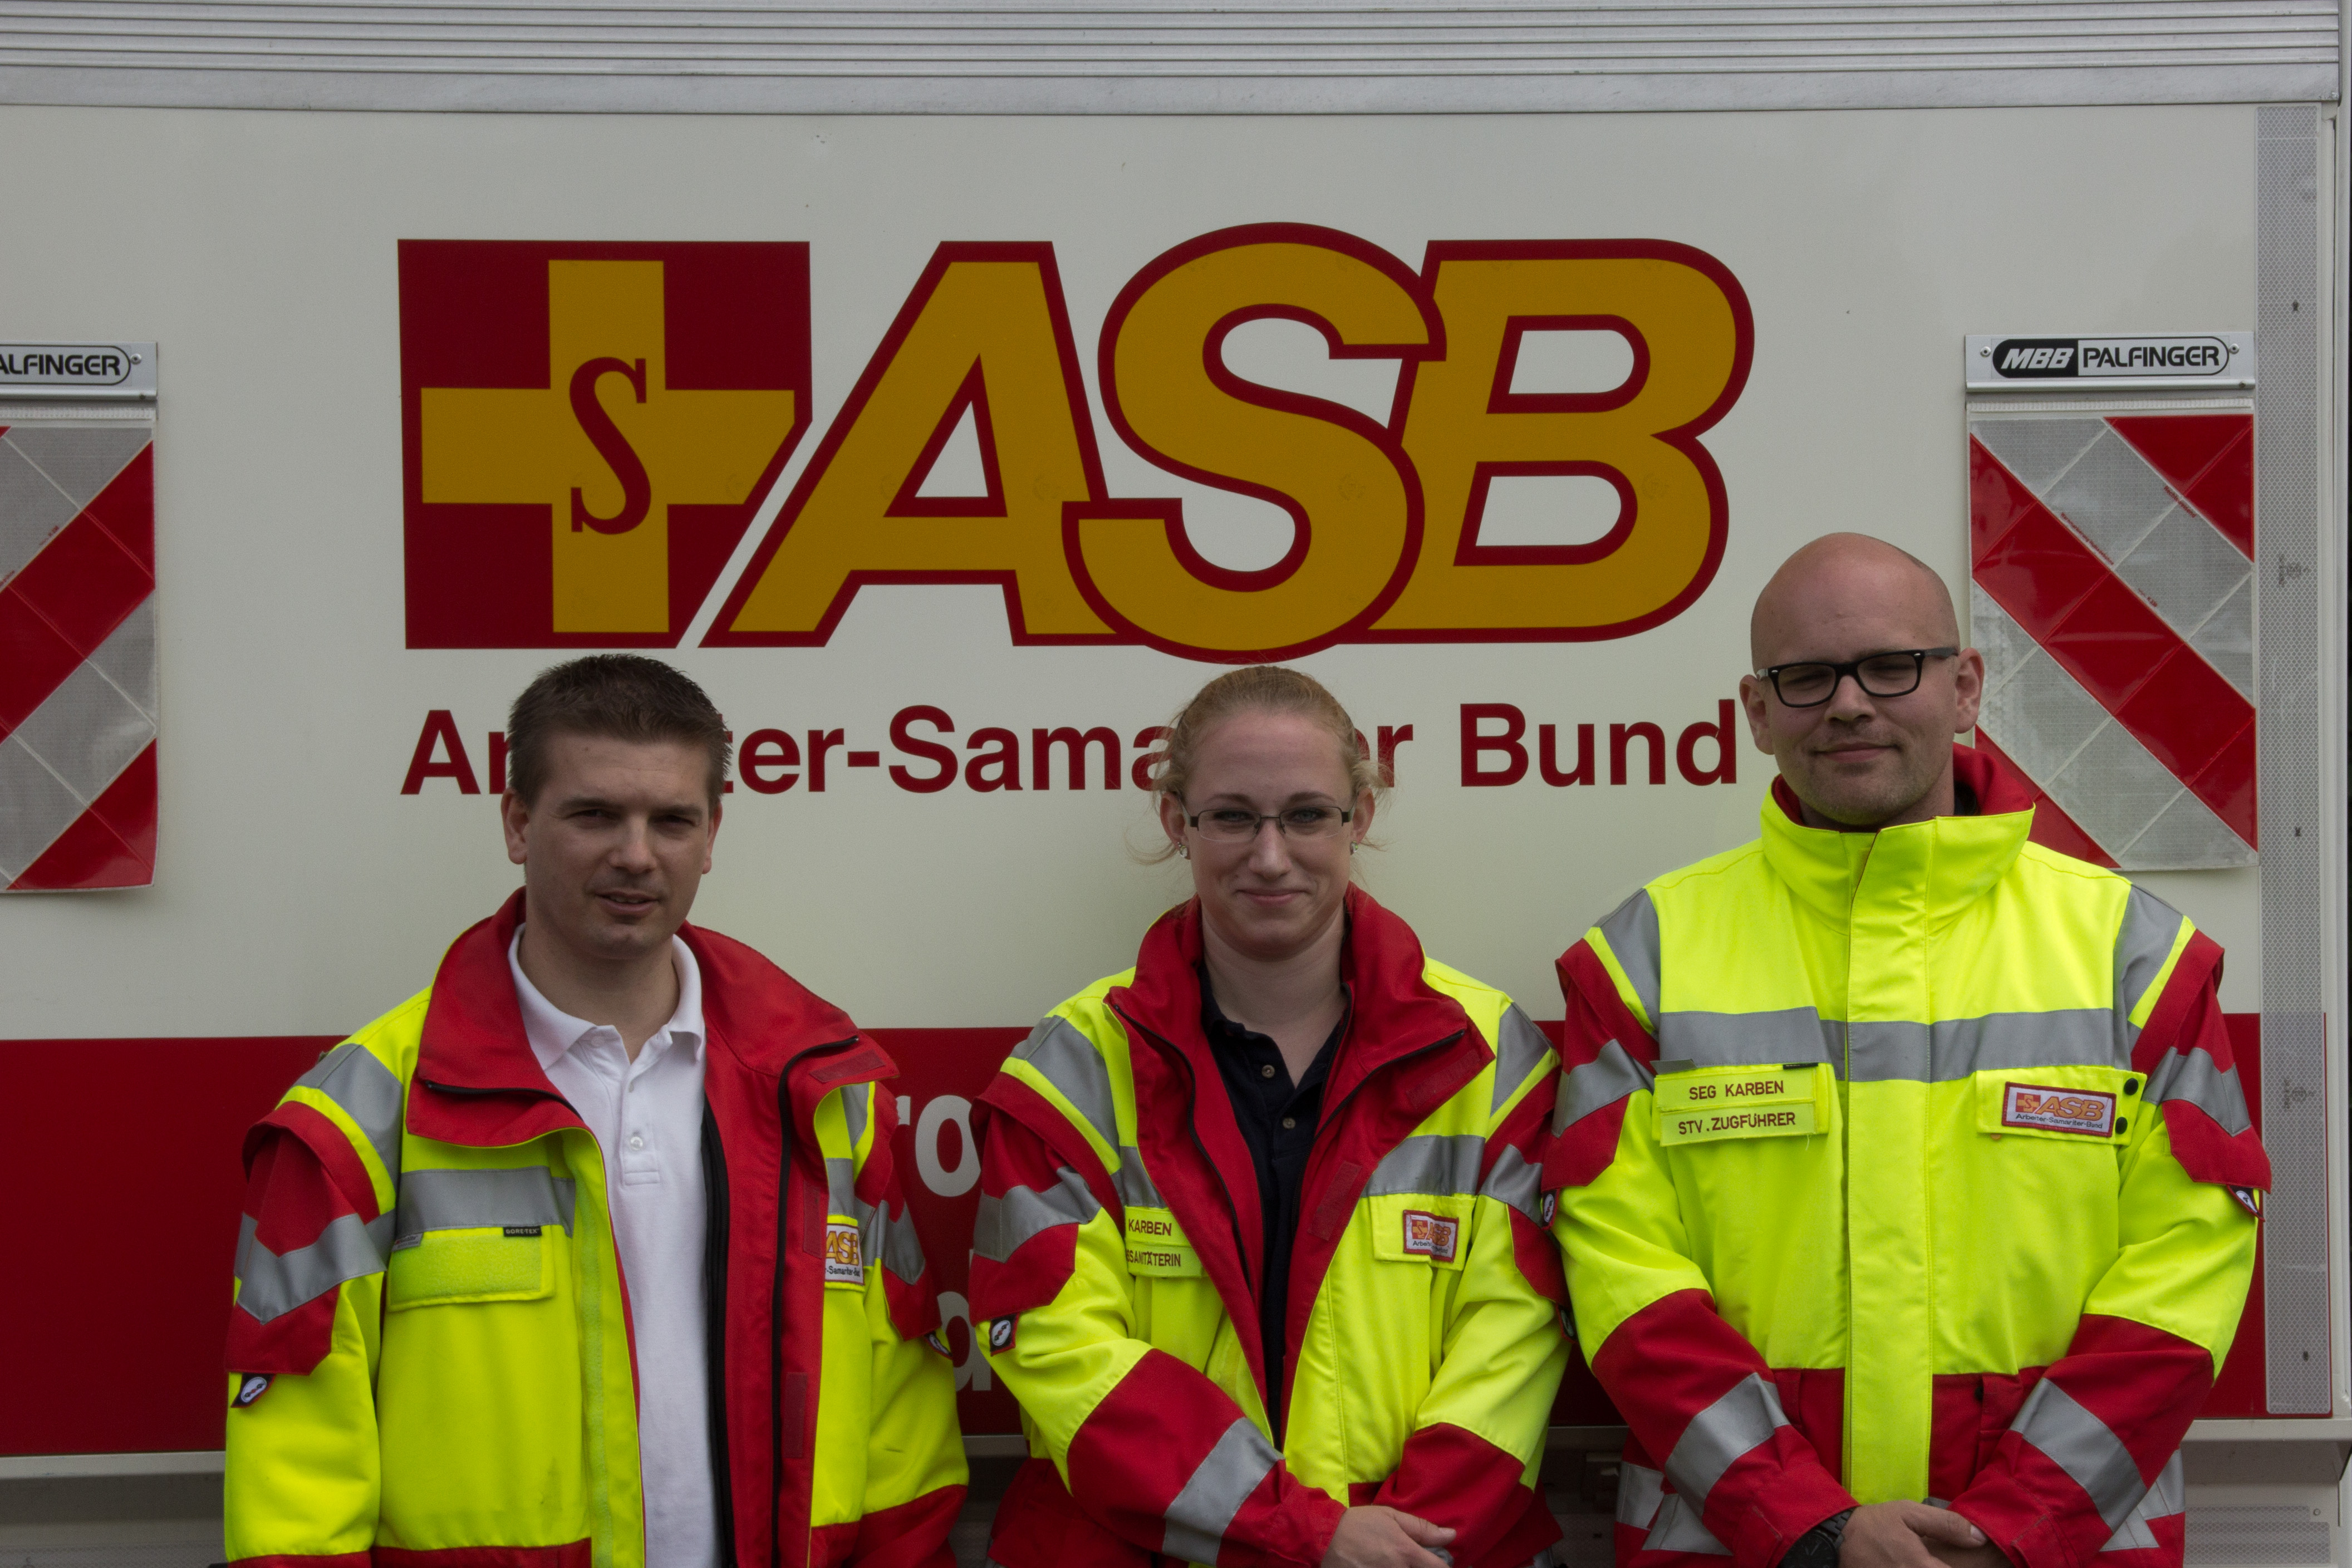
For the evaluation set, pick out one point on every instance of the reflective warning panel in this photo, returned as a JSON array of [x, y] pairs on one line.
[[77, 627], [587, 431], [2114, 601]]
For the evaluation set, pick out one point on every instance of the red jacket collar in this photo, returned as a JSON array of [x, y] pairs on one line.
[[494, 1092], [1994, 789], [1394, 1009]]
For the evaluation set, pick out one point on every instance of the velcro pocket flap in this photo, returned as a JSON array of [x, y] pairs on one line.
[[1420, 1228], [1704, 1104], [1157, 1245], [476, 1235], [2078, 1103]]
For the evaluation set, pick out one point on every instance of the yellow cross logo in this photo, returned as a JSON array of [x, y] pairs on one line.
[[608, 445]]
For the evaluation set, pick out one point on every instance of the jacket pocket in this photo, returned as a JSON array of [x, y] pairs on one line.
[[466, 1236], [2078, 1104], [1432, 1228]]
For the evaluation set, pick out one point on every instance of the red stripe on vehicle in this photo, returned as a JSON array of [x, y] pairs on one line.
[[2104, 634], [2209, 461]]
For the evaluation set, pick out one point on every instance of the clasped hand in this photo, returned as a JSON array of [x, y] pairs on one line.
[[1378, 1537], [1915, 1535]]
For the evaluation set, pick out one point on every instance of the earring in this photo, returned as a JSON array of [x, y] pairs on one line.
[[1183, 852], [1351, 845]]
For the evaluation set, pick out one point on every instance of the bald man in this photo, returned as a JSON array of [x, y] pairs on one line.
[[1904, 1182]]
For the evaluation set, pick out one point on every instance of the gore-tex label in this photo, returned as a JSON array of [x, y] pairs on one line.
[[2085, 1110], [1430, 1236], [844, 1260]]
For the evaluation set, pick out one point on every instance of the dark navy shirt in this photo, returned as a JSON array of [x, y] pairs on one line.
[[1278, 1120]]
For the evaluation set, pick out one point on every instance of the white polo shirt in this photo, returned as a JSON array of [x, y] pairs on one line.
[[647, 1118]]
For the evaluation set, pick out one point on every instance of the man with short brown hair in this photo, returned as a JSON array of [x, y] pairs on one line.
[[594, 1251], [1905, 1184]]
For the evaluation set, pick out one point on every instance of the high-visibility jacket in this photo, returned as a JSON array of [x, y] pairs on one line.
[[1900, 1164], [1119, 1242], [431, 1357]]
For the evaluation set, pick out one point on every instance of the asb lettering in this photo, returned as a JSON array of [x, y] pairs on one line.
[[587, 439]]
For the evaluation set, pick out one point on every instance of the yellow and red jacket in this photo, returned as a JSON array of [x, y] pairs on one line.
[[1902, 1165], [431, 1359], [1118, 1243]]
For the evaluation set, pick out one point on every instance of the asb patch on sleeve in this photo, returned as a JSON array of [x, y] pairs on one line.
[[999, 1336], [845, 1259], [1430, 1236], [2085, 1111], [252, 1388]]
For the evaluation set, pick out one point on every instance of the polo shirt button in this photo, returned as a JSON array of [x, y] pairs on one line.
[[1290, 1120], [1267, 1071], [637, 1140]]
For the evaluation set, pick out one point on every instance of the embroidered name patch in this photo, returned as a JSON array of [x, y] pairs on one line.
[[845, 1259], [1766, 1101], [2085, 1110], [1156, 1244], [1430, 1236]]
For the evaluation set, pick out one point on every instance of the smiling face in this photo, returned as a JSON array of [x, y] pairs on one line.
[[1858, 760], [614, 846], [1270, 897]]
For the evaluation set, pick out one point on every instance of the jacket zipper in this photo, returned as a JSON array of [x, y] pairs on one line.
[[776, 1298], [714, 1325], [1279, 1405]]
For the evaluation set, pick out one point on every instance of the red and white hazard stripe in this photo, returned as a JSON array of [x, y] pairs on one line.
[[2114, 602], [77, 654]]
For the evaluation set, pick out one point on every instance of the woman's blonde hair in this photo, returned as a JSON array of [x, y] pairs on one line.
[[1258, 688]]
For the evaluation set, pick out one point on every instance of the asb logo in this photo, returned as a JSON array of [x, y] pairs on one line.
[[589, 432]]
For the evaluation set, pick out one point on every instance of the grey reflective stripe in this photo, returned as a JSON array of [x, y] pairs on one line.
[[369, 1095], [271, 1284], [1598, 1084], [1068, 1061], [841, 1186], [1749, 1039], [476, 1199], [2062, 1037], [2150, 928], [2192, 1076], [1518, 1183], [1437, 1164], [2168, 1497], [894, 1241], [1745, 1418], [1639, 1491], [1134, 1182], [1519, 1049], [855, 1101], [1218, 1487], [2080, 1444], [1678, 1530], [1884, 1051], [1631, 931], [1004, 1223]]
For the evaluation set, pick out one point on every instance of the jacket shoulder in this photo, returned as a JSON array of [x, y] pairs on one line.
[[1741, 859], [391, 1038]]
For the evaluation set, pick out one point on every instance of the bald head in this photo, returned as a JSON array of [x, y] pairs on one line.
[[1828, 591]]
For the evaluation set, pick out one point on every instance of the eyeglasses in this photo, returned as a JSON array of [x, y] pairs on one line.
[[1894, 674], [1231, 825]]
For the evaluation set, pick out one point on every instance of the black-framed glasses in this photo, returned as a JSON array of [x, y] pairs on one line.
[[1889, 675], [1231, 825]]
